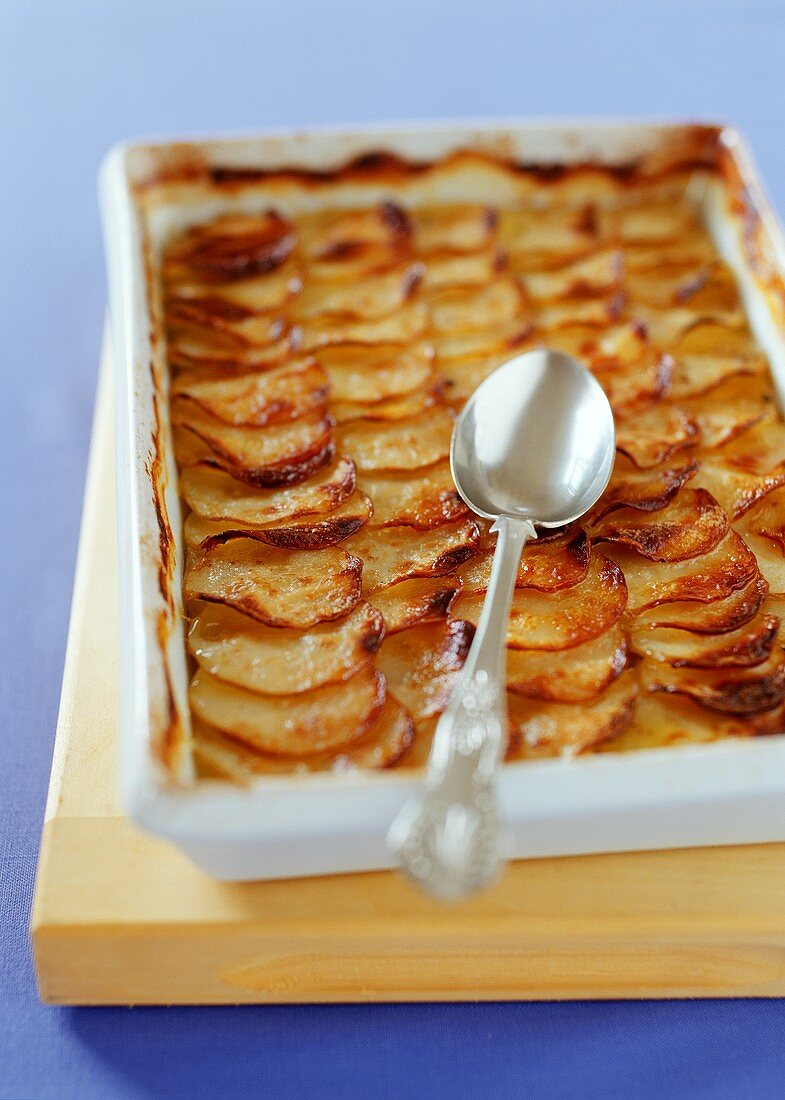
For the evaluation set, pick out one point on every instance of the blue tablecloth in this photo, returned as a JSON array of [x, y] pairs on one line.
[[74, 77]]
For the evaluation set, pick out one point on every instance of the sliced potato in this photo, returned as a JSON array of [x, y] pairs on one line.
[[283, 393], [651, 437], [402, 407], [422, 600], [231, 247], [368, 374], [652, 223], [461, 228], [643, 490], [463, 376], [746, 646], [335, 235], [401, 327], [291, 725], [564, 729], [577, 675], [235, 648], [730, 565], [587, 277], [279, 454], [693, 523], [561, 619], [715, 617], [216, 495], [695, 375], [726, 690], [387, 741], [462, 270], [393, 554], [283, 588], [198, 348], [547, 565], [632, 386], [593, 312], [398, 445], [730, 409], [559, 233], [369, 300], [458, 310], [240, 298], [667, 720], [422, 499], [310, 532], [422, 664]]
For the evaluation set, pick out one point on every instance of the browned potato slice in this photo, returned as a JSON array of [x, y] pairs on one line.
[[286, 588], [770, 558], [630, 386], [241, 297], [737, 486], [651, 223], [198, 348], [421, 600], [712, 576], [717, 617], [216, 495], [586, 277], [422, 664], [558, 233], [651, 437], [393, 408], [693, 523], [398, 553], [372, 298], [712, 337], [564, 729], [644, 490], [453, 228], [689, 251], [669, 327], [423, 499], [400, 444], [388, 740], [231, 247], [548, 565], [256, 399], [732, 407], [749, 645], [735, 691], [463, 376], [473, 269], [698, 374], [300, 533], [237, 649], [460, 309], [594, 311], [483, 342], [406, 324], [665, 720], [291, 725], [369, 374], [338, 235], [279, 454], [561, 619], [575, 676]]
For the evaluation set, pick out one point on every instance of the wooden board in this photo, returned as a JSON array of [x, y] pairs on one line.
[[122, 918]]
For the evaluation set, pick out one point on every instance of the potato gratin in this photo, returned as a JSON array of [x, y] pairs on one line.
[[334, 576]]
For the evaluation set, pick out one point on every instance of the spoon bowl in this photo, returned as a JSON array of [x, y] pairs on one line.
[[535, 441], [534, 445]]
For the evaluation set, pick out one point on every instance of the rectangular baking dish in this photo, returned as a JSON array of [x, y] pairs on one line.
[[725, 792]]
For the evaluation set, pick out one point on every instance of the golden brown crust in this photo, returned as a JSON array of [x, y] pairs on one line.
[[360, 332]]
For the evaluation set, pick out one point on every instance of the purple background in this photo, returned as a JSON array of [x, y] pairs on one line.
[[75, 77]]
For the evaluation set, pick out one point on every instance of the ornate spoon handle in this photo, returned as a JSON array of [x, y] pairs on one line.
[[447, 839]]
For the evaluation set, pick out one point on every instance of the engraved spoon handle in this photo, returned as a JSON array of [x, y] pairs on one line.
[[447, 840]]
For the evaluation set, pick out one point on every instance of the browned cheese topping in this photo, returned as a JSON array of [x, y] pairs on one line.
[[334, 575]]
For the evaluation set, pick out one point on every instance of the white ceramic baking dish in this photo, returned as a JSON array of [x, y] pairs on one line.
[[722, 793]]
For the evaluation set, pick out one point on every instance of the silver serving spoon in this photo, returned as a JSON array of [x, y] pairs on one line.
[[533, 445]]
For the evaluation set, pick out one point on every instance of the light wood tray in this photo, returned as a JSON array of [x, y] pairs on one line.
[[122, 918]]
